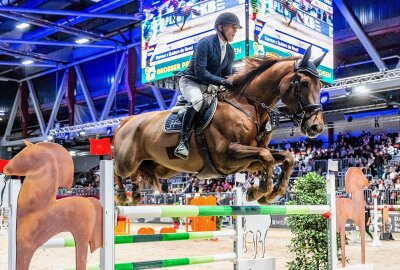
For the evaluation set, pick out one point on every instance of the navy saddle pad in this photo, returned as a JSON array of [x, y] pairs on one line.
[[173, 123]]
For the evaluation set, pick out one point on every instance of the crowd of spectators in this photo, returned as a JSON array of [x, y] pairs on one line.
[[371, 152]]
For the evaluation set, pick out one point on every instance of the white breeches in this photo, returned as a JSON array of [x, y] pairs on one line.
[[193, 92]]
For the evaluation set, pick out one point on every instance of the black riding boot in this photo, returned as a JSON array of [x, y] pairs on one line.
[[182, 150]]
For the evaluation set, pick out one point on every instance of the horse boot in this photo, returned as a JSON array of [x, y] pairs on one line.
[[182, 150]]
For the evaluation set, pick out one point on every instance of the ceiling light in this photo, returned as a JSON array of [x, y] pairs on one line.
[[82, 40], [324, 98], [72, 153], [23, 25], [1, 119], [361, 89], [27, 62]]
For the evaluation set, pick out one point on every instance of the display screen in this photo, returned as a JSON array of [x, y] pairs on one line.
[[172, 29], [286, 28]]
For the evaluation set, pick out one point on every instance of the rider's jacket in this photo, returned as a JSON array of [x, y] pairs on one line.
[[204, 67]]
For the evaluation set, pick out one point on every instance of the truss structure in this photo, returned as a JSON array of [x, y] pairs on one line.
[[87, 127], [384, 76]]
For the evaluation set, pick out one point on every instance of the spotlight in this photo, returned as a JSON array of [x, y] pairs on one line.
[[349, 92], [22, 25], [361, 89], [82, 133], [81, 41], [108, 130], [350, 118], [66, 136], [50, 138], [324, 98], [27, 62]]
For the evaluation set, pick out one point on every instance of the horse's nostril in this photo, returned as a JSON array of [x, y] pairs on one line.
[[315, 128]]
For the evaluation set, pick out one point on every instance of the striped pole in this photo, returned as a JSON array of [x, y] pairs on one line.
[[130, 239], [391, 207], [204, 211], [176, 262]]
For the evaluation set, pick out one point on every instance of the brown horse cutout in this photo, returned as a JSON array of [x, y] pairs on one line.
[[141, 146], [40, 216], [352, 208]]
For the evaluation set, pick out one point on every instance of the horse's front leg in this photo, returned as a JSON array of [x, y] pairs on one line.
[[244, 155], [287, 161]]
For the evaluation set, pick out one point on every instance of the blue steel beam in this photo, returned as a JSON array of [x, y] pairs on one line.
[[55, 43], [80, 61], [102, 7], [5, 63], [354, 24], [73, 13]]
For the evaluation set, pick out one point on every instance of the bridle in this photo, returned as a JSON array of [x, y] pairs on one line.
[[304, 112]]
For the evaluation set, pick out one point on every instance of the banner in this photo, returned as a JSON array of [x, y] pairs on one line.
[[172, 29], [288, 27]]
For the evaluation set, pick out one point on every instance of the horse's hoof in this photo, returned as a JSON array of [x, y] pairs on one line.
[[250, 195], [263, 200], [122, 197]]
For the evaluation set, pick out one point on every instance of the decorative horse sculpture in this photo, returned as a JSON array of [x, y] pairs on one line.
[[352, 208], [40, 216], [239, 133]]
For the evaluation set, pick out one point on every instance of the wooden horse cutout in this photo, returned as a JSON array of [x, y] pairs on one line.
[[40, 216], [352, 208]]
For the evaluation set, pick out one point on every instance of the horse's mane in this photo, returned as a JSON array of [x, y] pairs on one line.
[[254, 67]]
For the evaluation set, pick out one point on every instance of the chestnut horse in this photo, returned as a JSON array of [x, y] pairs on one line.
[[236, 138]]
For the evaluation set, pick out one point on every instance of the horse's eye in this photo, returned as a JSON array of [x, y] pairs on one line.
[[304, 83]]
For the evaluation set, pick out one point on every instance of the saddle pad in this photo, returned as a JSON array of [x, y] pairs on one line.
[[173, 124]]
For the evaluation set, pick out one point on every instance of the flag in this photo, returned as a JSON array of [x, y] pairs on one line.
[[100, 147], [3, 163]]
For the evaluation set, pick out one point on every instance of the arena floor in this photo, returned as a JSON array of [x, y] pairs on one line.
[[383, 258]]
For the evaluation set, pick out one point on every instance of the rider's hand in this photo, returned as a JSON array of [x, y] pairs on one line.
[[227, 83]]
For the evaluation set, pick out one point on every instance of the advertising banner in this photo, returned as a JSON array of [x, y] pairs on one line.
[[172, 29], [288, 27]]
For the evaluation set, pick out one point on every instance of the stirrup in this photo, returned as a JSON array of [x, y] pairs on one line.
[[179, 149]]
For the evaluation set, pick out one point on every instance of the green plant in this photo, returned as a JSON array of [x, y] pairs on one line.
[[310, 241]]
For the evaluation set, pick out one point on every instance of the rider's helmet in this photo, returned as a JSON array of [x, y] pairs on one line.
[[227, 18]]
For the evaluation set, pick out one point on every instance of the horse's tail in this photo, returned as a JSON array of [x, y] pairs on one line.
[[147, 170], [96, 238]]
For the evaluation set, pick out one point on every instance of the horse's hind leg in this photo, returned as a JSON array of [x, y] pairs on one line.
[[136, 196], [121, 189]]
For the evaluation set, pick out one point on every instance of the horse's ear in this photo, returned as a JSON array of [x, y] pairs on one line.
[[28, 143], [318, 61], [307, 55]]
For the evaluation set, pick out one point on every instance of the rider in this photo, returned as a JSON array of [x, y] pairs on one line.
[[212, 61]]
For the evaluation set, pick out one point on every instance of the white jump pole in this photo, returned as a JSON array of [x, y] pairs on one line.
[[107, 202], [331, 191], [376, 242], [13, 191]]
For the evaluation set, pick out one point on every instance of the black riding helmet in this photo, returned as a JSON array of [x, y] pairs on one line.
[[227, 18]]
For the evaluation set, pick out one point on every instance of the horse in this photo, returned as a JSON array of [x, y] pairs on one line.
[[235, 137], [352, 208], [289, 6], [40, 216], [182, 11]]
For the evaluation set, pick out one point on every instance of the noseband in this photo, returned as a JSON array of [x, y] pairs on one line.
[[304, 112]]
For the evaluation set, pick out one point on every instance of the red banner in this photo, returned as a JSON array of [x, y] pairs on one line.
[[3, 163]]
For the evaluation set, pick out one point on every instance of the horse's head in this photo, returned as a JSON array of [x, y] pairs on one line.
[[300, 92], [355, 180], [36, 157]]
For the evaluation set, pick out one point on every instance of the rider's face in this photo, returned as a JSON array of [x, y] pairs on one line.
[[229, 31]]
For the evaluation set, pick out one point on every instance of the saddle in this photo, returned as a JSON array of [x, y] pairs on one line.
[[173, 122]]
